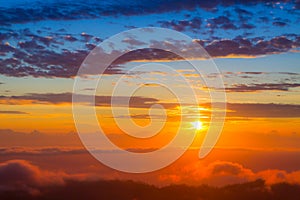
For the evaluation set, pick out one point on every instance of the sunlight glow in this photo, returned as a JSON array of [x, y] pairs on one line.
[[198, 125]]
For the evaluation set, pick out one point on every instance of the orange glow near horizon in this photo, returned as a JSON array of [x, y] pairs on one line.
[[261, 132]]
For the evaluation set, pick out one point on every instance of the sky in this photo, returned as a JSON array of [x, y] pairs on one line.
[[254, 45]]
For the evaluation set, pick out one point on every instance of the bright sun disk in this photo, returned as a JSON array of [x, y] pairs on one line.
[[198, 125]]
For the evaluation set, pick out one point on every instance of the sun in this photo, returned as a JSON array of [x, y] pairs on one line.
[[198, 125]]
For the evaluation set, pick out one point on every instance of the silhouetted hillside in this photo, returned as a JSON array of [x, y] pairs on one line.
[[129, 190]]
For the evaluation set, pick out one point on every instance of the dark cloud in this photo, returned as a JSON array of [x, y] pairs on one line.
[[193, 24], [17, 171], [242, 12], [90, 46], [59, 98], [35, 56], [147, 54], [3, 37], [47, 63], [41, 56], [252, 73], [288, 73], [244, 16], [45, 151], [236, 110], [247, 26], [86, 37], [226, 168], [281, 24], [264, 19], [246, 47], [282, 43], [263, 110], [259, 110], [45, 56], [28, 45], [254, 87], [219, 48], [222, 22], [12, 112], [239, 47], [96, 9], [23, 176], [62, 151], [222, 48], [289, 76], [245, 76], [54, 98], [70, 38]]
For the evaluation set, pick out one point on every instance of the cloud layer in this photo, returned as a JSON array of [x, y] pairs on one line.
[[234, 109], [47, 57], [225, 172], [22, 175]]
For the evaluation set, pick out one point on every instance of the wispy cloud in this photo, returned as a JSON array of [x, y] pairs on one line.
[[61, 98], [12, 112], [254, 87], [236, 109], [262, 110]]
